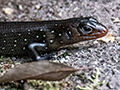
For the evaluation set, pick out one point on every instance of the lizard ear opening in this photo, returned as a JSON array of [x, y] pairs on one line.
[[86, 29]]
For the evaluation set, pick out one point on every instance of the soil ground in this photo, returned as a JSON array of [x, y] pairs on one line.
[[105, 56]]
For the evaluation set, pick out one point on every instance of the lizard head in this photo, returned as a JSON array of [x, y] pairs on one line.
[[89, 28]]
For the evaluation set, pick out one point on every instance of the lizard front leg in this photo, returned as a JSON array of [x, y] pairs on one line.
[[32, 51]]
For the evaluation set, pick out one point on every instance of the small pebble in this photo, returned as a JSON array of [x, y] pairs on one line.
[[60, 14], [12, 66], [37, 6], [75, 9], [20, 7], [8, 11]]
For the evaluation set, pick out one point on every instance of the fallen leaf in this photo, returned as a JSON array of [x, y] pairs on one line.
[[43, 70], [108, 38], [8, 11]]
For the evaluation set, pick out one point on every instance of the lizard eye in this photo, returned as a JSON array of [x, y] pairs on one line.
[[87, 29]]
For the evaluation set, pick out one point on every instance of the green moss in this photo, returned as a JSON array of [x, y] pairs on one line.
[[45, 85], [95, 82]]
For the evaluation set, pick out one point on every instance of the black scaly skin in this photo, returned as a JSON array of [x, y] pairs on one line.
[[33, 38]]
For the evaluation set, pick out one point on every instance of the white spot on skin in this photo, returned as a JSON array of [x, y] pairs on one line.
[[29, 30], [41, 29], [37, 36], [56, 25], [70, 32], [52, 31], [12, 50], [12, 30], [61, 42], [68, 37], [3, 48], [51, 41], [19, 34], [44, 41], [15, 40], [28, 33], [60, 34], [23, 48], [14, 45], [4, 41], [44, 35], [46, 47], [25, 40], [68, 29]]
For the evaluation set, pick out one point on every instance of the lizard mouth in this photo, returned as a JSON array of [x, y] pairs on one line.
[[100, 31]]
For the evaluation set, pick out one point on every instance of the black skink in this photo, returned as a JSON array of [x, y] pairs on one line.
[[33, 38]]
